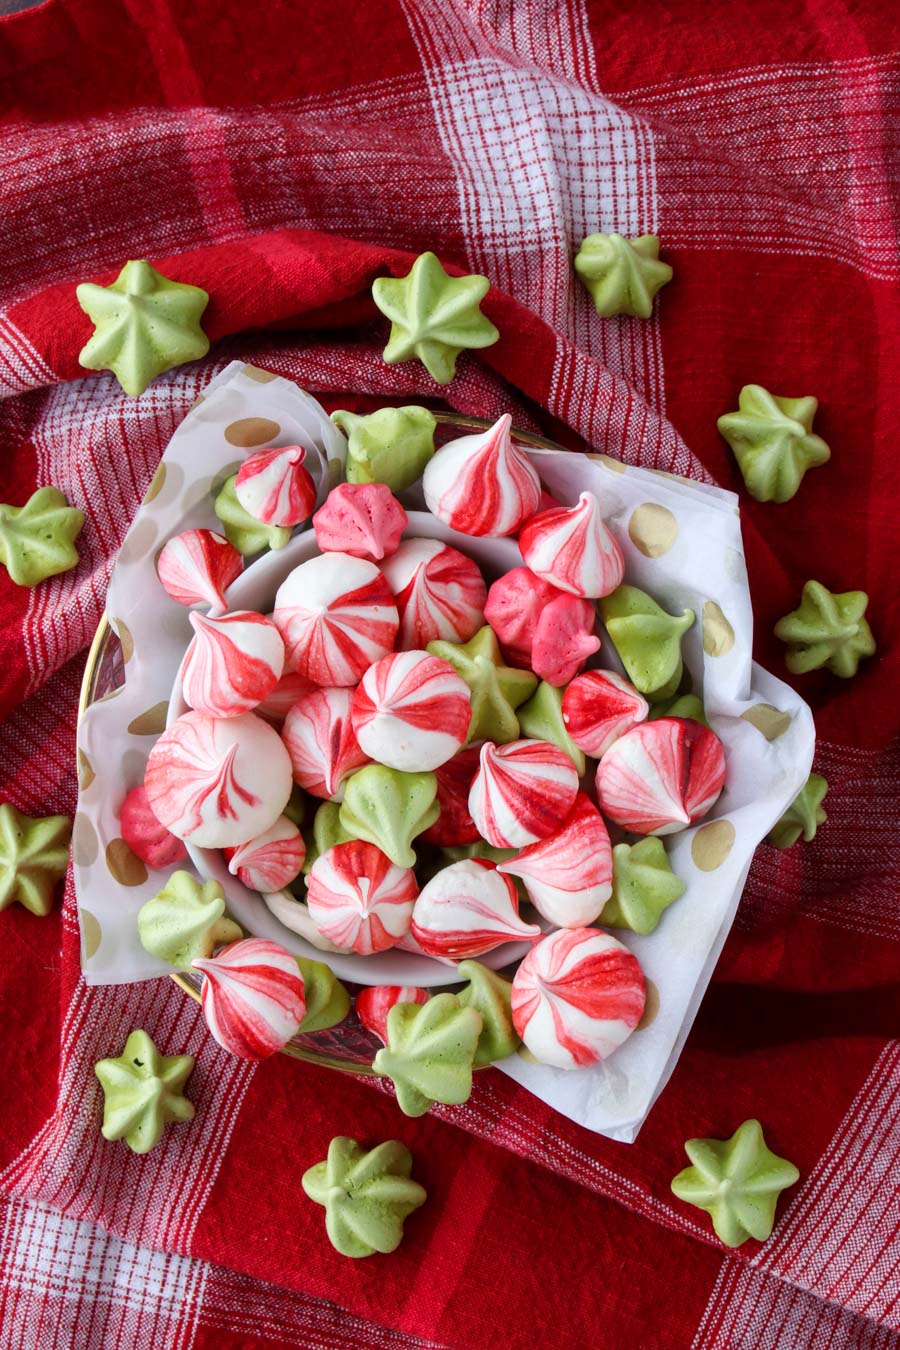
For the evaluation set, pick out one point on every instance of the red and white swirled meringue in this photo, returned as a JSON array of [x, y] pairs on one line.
[[145, 836], [661, 776], [576, 997], [272, 860], [440, 593], [362, 519], [374, 1004], [514, 605], [573, 549], [232, 663], [274, 486], [564, 638], [411, 711], [482, 484], [600, 706], [359, 899], [276, 705], [336, 615], [197, 567], [217, 782], [522, 792], [468, 909], [252, 997], [321, 742], [568, 875], [454, 781]]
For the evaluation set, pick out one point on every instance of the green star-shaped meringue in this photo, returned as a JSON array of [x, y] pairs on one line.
[[490, 994], [541, 719], [688, 706], [389, 808], [773, 442], [367, 1195], [433, 316], [327, 1001], [737, 1181], [37, 540], [622, 275], [430, 1052], [826, 630], [143, 1092], [647, 639], [644, 886], [143, 324], [804, 815], [34, 855], [390, 446], [326, 831], [185, 920], [242, 530], [497, 690]]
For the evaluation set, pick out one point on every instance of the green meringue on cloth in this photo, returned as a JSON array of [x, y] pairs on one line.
[[622, 275], [430, 1052], [143, 1092], [366, 1195], [773, 442], [185, 921], [644, 886], [391, 445], [389, 808], [37, 540], [434, 316], [144, 324], [688, 706], [804, 815], [737, 1181], [325, 832], [34, 855], [247, 534], [497, 689], [826, 629], [647, 639], [490, 994], [327, 1001], [541, 719]]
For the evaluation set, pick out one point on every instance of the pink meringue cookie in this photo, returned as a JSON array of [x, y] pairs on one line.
[[276, 706], [564, 638], [198, 566], [252, 997], [568, 875], [514, 606], [319, 736], [217, 782], [573, 549], [359, 899], [522, 792], [661, 776], [411, 712], [271, 861], [468, 909], [232, 663], [145, 836], [576, 997], [274, 486], [374, 1004], [439, 592], [336, 615], [600, 706], [362, 519], [454, 782], [482, 484]]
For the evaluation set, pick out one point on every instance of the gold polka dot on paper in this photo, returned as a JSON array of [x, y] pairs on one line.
[[123, 633], [84, 841], [614, 465], [772, 722], [651, 1006], [152, 722], [124, 866], [652, 529], [718, 634], [249, 431], [259, 375], [91, 935], [156, 483], [140, 541], [86, 773], [712, 844]]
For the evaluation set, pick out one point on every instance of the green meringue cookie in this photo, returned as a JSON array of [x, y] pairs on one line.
[[389, 808], [804, 815], [490, 994], [142, 1092], [327, 1001], [622, 275], [185, 920], [390, 446], [247, 534], [326, 831], [686, 705], [430, 1052], [827, 629], [366, 1195], [434, 316], [144, 324], [296, 806], [647, 639], [37, 540], [479, 849], [541, 719], [497, 689], [34, 855], [773, 442], [737, 1181], [644, 886]]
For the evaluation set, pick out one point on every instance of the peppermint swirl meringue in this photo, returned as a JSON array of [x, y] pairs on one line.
[[573, 549], [661, 776], [482, 484], [598, 707], [197, 567], [568, 875], [522, 792], [468, 909], [454, 825], [319, 736], [252, 997], [272, 860], [274, 487], [232, 663], [276, 705], [374, 1004], [362, 519], [439, 593], [359, 899], [411, 711]]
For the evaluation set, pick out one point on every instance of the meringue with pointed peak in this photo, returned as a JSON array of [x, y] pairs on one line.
[[514, 605], [522, 792], [568, 875], [389, 808], [277, 704], [564, 638], [482, 484], [439, 593], [319, 736], [454, 825], [275, 487], [375, 1002], [647, 638], [272, 860], [468, 909], [496, 689], [411, 711], [232, 663], [598, 707], [661, 776], [359, 899], [573, 549], [362, 519], [197, 567], [252, 997], [145, 836]]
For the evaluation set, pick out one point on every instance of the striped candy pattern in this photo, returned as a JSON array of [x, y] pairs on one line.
[[362, 519], [568, 875], [274, 486], [359, 899], [573, 549], [197, 567], [272, 860], [411, 711], [276, 705], [321, 742], [374, 1004], [482, 485], [661, 776], [522, 792], [252, 997], [232, 663], [440, 593], [468, 909], [600, 706], [454, 780]]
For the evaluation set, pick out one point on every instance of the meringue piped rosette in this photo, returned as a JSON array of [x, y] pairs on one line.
[[568, 875], [522, 792], [145, 836], [514, 605], [576, 997], [411, 711], [573, 549], [362, 519], [374, 1003], [319, 737], [274, 486], [232, 663], [439, 592], [468, 909], [252, 997], [277, 704], [564, 638], [661, 776], [359, 899], [272, 860], [482, 484], [598, 707], [197, 567]]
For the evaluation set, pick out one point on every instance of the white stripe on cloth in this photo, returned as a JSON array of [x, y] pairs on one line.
[[21, 365]]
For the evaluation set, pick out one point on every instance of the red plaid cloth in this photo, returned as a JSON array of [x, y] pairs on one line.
[[281, 157]]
